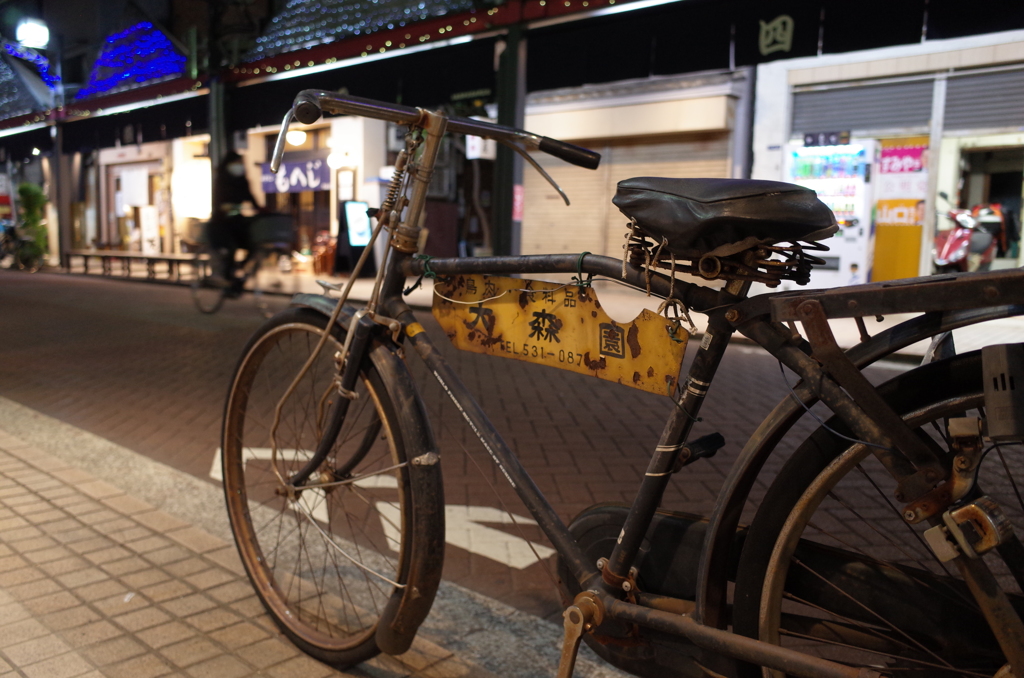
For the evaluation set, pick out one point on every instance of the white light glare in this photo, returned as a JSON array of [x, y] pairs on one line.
[[33, 33], [295, 137]]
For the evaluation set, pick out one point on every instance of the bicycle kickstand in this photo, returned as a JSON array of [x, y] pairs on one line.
[[586, 613]]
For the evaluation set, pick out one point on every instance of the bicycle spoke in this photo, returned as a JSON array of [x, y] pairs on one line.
[[898, 513], [873, 613], [1009, 475], [922, 664], [877, 531], [870, 630]]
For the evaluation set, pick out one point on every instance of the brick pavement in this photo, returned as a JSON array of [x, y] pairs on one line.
[[96, 582], [137, 365]]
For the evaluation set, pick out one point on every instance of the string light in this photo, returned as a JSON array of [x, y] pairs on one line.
[[14, 100], [41, 63], [135, 55], [307, 23]]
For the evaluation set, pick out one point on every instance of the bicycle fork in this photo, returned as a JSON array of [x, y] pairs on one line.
[[356, 343]]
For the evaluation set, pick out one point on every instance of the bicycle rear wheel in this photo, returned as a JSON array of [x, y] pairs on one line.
[[831, 568], [325, 560], [208, 289]]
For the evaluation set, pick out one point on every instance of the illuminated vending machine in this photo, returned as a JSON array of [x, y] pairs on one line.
[[841, 176]]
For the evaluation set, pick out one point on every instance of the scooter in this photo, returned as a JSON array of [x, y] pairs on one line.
[[971, 244]]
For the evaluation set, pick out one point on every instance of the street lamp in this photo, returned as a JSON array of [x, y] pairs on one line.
[[33, 33]]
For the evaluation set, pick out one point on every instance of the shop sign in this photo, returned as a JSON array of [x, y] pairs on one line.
[[900, 192], [902, 158], [827, 138], [776, 35], [295, 177], [5, 196]]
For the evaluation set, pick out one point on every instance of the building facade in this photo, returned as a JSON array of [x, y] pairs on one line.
[[885, 133], [687, 88]]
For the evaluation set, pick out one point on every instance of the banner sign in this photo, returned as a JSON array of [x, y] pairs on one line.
[[5, 196], [295, 177], [900, 191]]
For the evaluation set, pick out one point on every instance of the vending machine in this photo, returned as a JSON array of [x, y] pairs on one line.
[[841, 176]]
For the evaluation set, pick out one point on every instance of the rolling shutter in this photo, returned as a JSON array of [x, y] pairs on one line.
[[893, 106], [985, 100]]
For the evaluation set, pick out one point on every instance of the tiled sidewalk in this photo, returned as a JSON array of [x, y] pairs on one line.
[[95, 582]]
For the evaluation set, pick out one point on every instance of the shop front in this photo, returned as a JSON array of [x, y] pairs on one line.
[[136, 207], [327, 180], [677, 126], [939, 118]]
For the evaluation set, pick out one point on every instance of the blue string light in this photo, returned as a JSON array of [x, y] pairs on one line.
[[41, 63], [135, 55]]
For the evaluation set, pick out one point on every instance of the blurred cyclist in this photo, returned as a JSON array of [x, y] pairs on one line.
[[229, 229]]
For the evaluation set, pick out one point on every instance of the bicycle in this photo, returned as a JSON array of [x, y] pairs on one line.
[[269, 234], [333, 481], [21, 248]]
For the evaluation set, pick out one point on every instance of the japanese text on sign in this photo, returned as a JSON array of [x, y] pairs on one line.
[[295, 177], [561, 326]]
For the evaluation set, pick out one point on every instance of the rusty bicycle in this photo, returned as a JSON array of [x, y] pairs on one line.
[[885, 545]]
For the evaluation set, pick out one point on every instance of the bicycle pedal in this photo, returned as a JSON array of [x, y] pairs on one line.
[[584, 614]]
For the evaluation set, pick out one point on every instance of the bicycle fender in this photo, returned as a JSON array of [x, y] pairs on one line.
[[725, 516], [409, 606], [324, 304]]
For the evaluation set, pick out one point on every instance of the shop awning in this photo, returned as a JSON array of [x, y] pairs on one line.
[[157, 119]]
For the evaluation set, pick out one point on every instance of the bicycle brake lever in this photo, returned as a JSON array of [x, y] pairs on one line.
[[275, 161], [521, 151]]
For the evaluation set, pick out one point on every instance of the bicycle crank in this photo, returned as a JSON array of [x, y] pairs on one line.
[[586, 613]]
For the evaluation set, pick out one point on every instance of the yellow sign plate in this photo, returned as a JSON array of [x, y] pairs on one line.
[[561, 326]]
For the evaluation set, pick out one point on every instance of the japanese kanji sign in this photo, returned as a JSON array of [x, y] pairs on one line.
[[295, 177], [560, 326]]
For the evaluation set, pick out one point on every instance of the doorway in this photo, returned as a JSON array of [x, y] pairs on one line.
[[995, 176]]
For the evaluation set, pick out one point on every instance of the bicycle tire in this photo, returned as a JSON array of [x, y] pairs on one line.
[[207, 296], [812, 574], [341, 544]]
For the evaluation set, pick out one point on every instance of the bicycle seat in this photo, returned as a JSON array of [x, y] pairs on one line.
[[723, 216]]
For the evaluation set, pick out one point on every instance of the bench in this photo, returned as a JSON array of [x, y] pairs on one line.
[[124, 259]]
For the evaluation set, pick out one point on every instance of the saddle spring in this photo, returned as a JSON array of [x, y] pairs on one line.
[[767, 264]]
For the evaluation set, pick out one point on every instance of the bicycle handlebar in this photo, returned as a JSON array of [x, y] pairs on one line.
[[310, 103]]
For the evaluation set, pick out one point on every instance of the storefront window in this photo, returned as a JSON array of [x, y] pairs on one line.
[[310, 212]]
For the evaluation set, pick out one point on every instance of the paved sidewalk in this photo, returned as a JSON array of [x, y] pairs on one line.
[[97, 580]]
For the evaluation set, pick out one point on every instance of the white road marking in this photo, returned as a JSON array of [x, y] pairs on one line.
[[463, 527], [312, 500]]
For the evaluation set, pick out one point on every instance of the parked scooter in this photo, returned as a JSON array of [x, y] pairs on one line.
[[972, 242]]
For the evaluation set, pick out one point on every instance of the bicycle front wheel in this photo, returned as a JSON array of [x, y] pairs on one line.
[[208, 288], [831, 568], [326, 558]]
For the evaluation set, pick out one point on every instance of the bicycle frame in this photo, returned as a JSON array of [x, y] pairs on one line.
[[827, 374]]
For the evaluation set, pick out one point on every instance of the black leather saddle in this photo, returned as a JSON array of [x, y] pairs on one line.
[[723, 216]]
